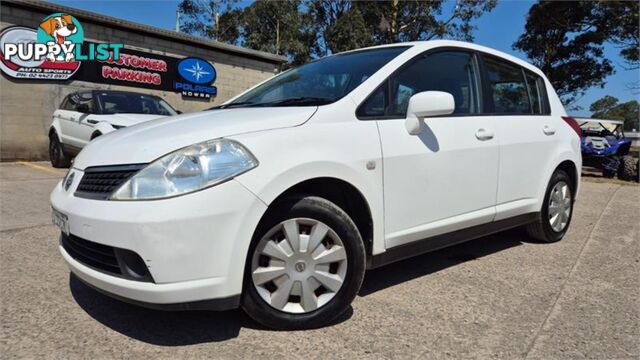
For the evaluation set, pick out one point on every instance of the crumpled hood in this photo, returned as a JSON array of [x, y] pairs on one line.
[[149, 140], [126, 119]]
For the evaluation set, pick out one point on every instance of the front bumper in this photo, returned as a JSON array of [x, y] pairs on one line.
[[194, 246]]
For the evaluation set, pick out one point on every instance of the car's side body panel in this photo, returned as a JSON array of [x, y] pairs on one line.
[[69, 126], [442, 180]]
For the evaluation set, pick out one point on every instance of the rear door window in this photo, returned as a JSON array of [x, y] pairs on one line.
[[508, 87], [537, 94]]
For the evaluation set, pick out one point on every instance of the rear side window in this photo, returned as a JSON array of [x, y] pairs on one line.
[[508, 87], [537, 95]]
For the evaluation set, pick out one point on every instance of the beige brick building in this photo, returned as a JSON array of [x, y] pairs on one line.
[[26, 106]]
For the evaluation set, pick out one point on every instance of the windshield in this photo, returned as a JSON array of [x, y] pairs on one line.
[[131, 103], [319, 82]]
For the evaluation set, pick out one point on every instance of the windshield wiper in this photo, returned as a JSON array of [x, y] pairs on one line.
[[299, 101], [232, 105]]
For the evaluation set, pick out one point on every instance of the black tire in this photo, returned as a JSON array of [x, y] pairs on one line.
[[608, 174], [610, 166], [628, 170], [334, 217], [57, 155], [541, 229]]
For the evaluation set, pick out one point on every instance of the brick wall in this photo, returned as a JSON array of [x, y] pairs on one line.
[[26, 107]]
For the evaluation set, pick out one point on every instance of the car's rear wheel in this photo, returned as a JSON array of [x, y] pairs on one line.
[[305, 265], [57, 155], [556, 211], [628, 170]]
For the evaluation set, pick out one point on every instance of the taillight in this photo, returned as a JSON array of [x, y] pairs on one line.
[[574, 124]]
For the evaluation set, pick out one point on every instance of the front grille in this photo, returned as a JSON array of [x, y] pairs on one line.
[[100, 181], [98, 256]]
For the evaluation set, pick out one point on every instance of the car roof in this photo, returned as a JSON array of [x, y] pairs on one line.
[[421, 46], [93, 91]]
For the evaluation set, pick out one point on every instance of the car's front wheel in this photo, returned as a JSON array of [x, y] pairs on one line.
[[305, 265], [56, 153], [557, 209]]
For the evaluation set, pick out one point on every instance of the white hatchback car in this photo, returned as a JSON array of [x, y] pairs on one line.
[[280, 199], [85, 115]]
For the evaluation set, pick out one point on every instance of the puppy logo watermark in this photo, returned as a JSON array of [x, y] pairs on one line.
[[61, 33], [53, 51]]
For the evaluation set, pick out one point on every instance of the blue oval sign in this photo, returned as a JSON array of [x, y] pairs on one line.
[[196, 70]]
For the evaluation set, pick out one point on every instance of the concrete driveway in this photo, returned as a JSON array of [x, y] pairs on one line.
[[496, 297]]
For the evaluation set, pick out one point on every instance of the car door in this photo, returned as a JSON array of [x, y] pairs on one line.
[[444, 179], [80, 121], [527, 133], [66, 116]]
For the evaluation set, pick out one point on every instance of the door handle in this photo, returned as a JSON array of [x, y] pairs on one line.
[[91, 121], [484, 135], [547, 130]]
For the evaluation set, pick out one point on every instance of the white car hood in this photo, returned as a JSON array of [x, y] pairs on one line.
[[150, 140], [126, 119]]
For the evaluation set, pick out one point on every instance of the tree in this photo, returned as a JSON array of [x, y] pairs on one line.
[[205, 18], [609, 108], [620, 20], [321, 27], [277, 27], [400, 21], [348, 32], [566, 41], [324, 15]]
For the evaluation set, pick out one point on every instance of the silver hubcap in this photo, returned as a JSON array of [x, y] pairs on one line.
[[299, 265], [559, 206]]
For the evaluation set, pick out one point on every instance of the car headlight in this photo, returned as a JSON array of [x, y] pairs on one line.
[[187, 170]]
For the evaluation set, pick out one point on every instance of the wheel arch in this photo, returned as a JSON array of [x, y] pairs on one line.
[[570, 168], [342, 193], [95, 134], [101, 128], [54, 128]]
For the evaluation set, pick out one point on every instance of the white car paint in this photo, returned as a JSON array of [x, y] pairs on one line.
[[459, 171], [76, 129], [187, 129]]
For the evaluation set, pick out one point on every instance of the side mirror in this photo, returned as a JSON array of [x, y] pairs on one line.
[[83, 108], [427, 104], [178, 112]]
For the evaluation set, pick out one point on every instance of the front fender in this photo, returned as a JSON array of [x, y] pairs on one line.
[[103, 128], [55, 126], [319, 151]]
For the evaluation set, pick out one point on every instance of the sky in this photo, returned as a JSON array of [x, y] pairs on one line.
[[498, 29]]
